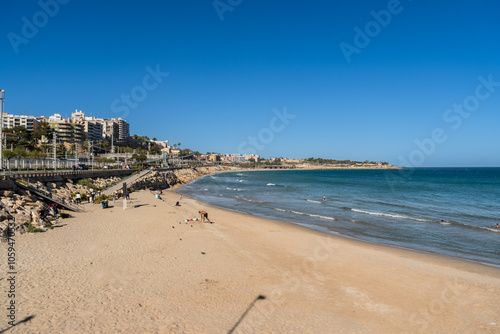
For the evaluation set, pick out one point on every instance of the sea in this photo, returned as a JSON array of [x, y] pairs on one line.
[[447, 211]]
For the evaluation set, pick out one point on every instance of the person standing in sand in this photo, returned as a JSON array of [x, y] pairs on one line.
[[204, 216]]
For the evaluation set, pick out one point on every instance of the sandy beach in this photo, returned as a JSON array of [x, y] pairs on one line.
[[145, 270]]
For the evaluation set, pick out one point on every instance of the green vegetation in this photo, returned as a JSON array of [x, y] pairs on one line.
[[105, 160], [139, 157], [321, 161], [32, 229], [86, 183], [22, 143], [103, 197]]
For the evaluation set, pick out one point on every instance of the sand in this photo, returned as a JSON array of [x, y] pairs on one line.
[[141, 271]]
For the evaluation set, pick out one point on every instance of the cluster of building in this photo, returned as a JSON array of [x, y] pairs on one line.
[[74, 130], [227, 158], [79, 128]]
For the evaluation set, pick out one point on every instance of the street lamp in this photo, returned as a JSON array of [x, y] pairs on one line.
[[2, 97]]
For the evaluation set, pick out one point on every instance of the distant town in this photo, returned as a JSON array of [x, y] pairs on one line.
[[89, 139]]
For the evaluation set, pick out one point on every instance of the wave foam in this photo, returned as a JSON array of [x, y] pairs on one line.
[[306, 214], [390, 215], [313, 201]]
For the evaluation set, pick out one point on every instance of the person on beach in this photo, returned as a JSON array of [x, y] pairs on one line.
[[180, 198], [128, 194], [177, 204], [53, 210], [78, 198], [158, 193], [204, 216], [43, 218]]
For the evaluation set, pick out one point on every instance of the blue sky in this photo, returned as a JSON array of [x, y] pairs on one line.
[[268, 77]]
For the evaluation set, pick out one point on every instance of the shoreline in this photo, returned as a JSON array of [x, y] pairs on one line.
[[327, 232], [356, 241]]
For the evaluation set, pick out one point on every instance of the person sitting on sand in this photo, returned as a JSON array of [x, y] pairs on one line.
[[204, 215], [177, 204], [158, 193]]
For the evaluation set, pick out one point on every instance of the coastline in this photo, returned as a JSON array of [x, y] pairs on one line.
[[423, 255], [324, 231], [145, 270]]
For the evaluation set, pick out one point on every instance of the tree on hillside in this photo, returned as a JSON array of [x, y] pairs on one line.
[[20, 152], [155, 149], [42, 130], [7, 154], [20, 131]]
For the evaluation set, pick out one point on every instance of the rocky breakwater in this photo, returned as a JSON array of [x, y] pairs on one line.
[[164, 180], [21, 206]]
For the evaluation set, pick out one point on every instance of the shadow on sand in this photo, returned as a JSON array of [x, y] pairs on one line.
[[252, 304], [27, 319]]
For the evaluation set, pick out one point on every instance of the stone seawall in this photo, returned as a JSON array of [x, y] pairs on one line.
[[21, 205], [165, 180]]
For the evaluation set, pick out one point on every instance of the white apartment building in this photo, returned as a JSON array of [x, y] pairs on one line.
[[10, 121]]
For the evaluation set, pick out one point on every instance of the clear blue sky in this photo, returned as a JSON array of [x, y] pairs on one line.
[[230, 67]]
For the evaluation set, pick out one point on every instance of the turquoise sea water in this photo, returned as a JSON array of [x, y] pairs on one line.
[[448, 211]]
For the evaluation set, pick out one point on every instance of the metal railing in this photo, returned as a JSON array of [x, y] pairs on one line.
[[34, 188]]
